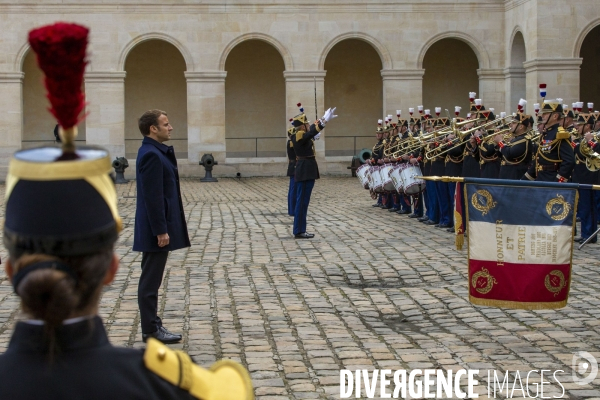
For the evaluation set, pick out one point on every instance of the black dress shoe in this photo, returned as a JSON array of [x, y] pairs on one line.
[[430, 222], [376, 205], [577, 239], [444, 226], [404, 212], [414, 216], [422, 219], [304, 236], [386, 207], [451, 230], [165, 330], [393, 209], [162, 335]]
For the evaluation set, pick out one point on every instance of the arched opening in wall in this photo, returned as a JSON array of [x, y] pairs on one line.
[[155, 80], [255, 120], [589, 79], [516, 73], [450, 74], [38, 123], [353, 84]]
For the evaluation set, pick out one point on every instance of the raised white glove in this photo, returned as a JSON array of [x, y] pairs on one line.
[[329, 115], [317, 136]]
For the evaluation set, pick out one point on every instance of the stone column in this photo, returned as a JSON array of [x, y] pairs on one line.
[[402, 88], [11, 130], [492, 89], [105, 122], [514, 84], [300, 88], [561, 75], [206, 115]]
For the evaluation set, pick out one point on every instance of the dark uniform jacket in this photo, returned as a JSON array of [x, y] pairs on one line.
[[489, 158], [159, 207], [454, 159], [86, 366], [377, 152], [471, 166], [516, 157], [438, 163], [306, 163], [554, 156], [291, 154], [581, 173]]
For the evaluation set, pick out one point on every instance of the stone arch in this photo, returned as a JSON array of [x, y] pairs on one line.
[[582, 35], [589, 52], [165, 75], [384, 54], [451, 72], [21, 54], [478, 49], [189, 61], [285, 54], [511, 44]]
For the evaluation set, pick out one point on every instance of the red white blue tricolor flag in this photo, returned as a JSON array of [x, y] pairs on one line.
[[520, 244]]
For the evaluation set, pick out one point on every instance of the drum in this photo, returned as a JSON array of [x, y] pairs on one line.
[[397, 177], [385, 172], [362, 173], [375, 182], [412, 185]]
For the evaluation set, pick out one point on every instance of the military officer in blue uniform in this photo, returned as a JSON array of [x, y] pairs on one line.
[[291, 170], [377, 155], [554, 160], [307, 170]]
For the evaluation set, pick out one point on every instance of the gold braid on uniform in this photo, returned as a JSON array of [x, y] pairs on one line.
[[225, 379]]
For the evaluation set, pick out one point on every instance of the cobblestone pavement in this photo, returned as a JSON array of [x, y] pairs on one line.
[[371, 290]]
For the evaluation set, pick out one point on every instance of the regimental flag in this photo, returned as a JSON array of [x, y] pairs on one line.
[[520, 244]]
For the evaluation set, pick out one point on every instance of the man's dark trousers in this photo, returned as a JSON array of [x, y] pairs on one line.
[[303, 192], [153, 267]]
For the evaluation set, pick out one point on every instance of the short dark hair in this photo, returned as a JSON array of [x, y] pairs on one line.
[[148, 119]]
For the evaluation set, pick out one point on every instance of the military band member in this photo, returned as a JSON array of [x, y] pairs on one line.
[[454, 164], [377, 155], [438, 168], [291, 169], [307, 170], [433, 206], [489, 156], [516, 154], [554, 160], [584, 148]]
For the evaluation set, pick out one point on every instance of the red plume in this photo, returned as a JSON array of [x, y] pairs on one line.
[[61, 51]]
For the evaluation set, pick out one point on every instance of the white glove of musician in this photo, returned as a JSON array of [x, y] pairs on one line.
[[317, 136], [328, 115]]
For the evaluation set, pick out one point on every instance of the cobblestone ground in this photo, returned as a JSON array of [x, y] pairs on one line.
[[371, 290]]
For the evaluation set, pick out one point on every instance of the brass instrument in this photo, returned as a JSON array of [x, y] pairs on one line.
[[592, 159]]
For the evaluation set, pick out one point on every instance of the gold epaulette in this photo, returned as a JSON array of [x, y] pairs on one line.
[[291, 144], [225, 379], [562, 133], [299, 135]]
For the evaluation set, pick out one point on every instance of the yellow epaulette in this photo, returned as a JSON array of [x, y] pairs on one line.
[[299, 135], [291, 144], [225, 379], [562, 133]]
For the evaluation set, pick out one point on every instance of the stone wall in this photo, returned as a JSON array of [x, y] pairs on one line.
[[303, 34]]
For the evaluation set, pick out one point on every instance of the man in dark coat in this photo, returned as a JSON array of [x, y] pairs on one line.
[[160, 224], [307, 170]]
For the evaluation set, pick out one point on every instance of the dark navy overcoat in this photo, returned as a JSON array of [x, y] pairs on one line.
[[159, 207]]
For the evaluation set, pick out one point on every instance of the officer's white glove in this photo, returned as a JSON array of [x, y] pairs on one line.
[[328, 115], [317, 136]]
